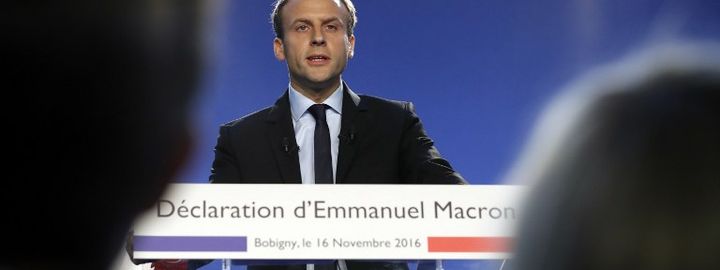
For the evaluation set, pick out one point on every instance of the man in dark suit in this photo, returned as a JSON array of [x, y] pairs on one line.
[[365, 140], [381, 142]]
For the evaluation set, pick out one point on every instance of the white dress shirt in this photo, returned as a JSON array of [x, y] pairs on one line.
[[304, 125]]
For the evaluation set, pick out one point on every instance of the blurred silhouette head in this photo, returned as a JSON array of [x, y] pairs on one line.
[[101, 94], [625, 168]]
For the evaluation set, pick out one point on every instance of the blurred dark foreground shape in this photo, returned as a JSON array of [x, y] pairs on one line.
[[97, 98], [625, 168]]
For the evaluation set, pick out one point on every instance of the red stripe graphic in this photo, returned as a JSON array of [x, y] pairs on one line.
[[468, 244]]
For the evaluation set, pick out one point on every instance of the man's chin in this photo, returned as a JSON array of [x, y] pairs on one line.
[[319, 84]]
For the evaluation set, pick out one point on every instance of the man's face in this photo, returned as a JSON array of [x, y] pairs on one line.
[[315, 45]]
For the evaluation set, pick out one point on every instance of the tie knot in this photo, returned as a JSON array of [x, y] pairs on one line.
[[318, 111]]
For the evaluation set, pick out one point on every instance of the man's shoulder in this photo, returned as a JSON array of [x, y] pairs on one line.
[[248, 120], [385, 104]]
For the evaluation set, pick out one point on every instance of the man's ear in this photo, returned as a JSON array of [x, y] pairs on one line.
[[351, 46], [279, 49]]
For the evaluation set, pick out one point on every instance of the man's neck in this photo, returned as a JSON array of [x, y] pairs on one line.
[[317, 95]]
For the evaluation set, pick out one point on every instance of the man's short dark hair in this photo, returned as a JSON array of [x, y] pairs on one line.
[[277, 19]]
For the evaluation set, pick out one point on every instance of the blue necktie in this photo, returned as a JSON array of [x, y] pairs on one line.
[[323, 158]]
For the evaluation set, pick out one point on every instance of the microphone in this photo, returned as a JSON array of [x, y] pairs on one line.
[[349, 136], [286, 145]]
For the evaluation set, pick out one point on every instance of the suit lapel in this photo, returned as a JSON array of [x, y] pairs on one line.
[[281, 137], [353, 124]]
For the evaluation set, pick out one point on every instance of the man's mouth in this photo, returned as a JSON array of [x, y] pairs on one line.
[[318, 59]]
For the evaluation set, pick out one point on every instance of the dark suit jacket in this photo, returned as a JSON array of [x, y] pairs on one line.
[[381, 142]]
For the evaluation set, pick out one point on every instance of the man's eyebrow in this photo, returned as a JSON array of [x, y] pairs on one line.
[[332, 19], [301, 20], [322, 21]]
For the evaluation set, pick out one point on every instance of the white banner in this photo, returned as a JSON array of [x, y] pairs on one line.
[[250, 221]]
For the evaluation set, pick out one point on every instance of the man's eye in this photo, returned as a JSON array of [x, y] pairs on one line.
[[331, 27], [302, 28]]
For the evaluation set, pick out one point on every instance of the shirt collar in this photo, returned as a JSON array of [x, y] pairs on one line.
[[299, 103]]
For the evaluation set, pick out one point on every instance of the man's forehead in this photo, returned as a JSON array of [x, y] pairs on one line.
[[303, 8], [336, 2]]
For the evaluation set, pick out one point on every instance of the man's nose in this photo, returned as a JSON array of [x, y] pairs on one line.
[[318, 38]]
